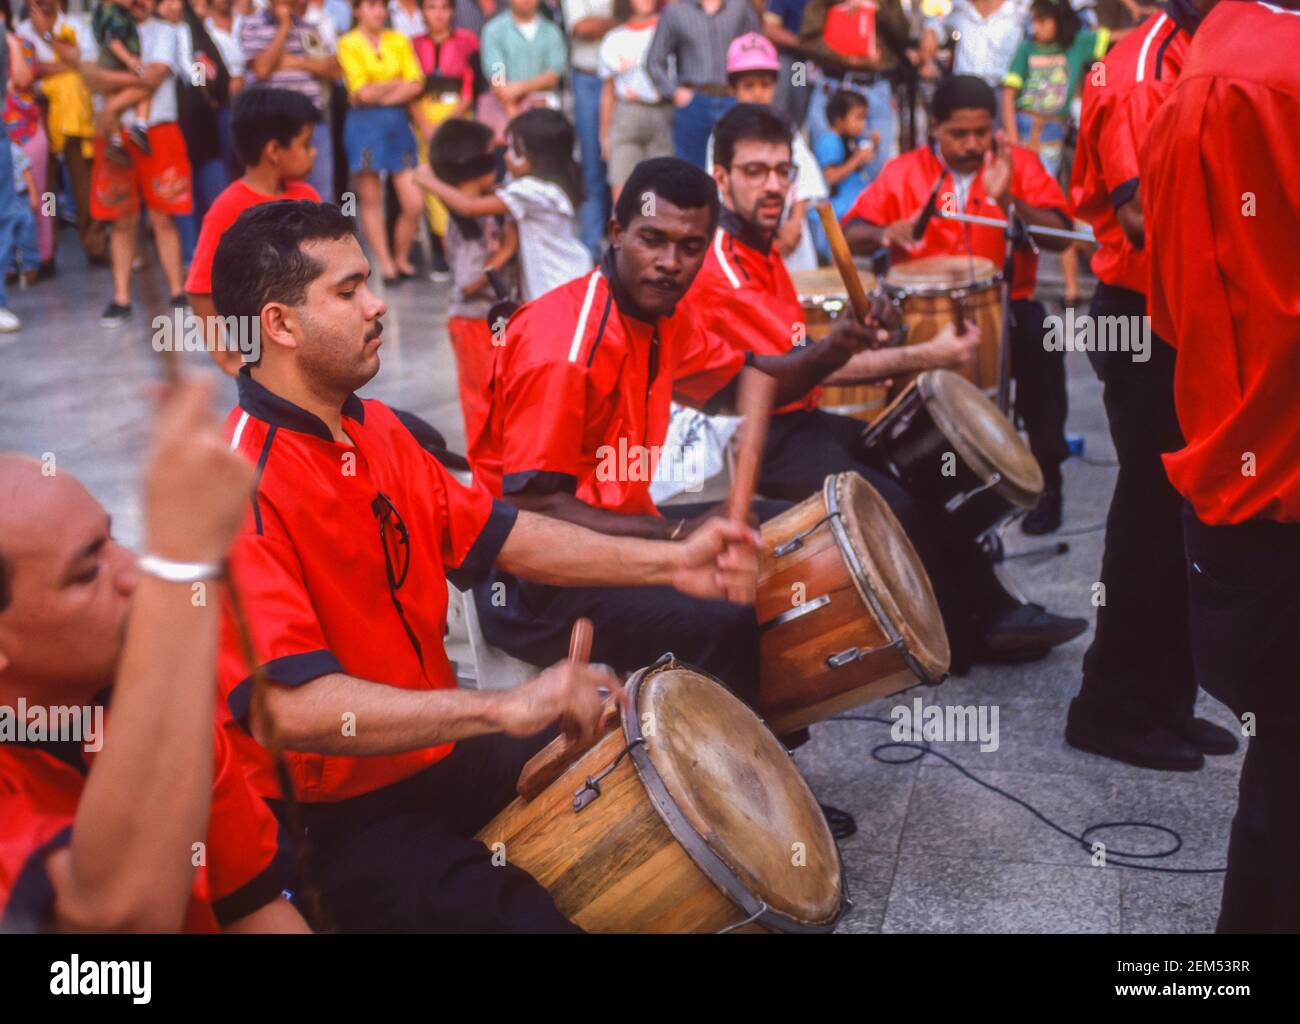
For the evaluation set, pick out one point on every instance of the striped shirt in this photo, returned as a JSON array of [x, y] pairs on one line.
[[698, 40], [258, 31]]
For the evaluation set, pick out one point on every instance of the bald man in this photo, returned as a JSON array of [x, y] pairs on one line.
[[148, 826]]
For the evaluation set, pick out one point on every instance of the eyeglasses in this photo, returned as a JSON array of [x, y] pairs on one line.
[[756, 173], [395, 540]]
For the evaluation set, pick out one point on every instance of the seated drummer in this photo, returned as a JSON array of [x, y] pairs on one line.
[[343, 562], [984, 176], [745, 294], [150, 826]]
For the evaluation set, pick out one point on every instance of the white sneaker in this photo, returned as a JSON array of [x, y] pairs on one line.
[[8, 322]]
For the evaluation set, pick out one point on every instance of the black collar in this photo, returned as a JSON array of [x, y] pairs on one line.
[[269, 407], [70, 752], [627, 307], [744, 232]]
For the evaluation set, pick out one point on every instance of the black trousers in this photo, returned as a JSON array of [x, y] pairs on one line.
[[1139, 667], [805, 447], [633, 626], [1244, 586], [1041, 402], [404, 858]]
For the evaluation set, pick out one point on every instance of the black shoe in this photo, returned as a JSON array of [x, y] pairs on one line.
[[841, 823], [1027, 633], [139, 137], [1045, 516], [1204, 736], [114, 315], [45, 270], [179, 301], [1155, 747]]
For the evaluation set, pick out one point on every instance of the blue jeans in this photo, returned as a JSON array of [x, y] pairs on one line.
[[881, 116], [209, 180], [586, 115], [321, 177], [693, 124], [1051, 141]]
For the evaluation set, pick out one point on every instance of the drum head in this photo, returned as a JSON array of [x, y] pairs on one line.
[[938, 275], [893, 571], [823, 283], [982, 435], [736, 786]]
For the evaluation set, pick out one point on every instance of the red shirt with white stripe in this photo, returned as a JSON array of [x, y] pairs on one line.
[[1119, 102], [581, 394], [744, 294], [1222, 210]]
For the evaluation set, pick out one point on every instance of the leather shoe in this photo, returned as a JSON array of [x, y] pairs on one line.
[[1203, 735], [1045, 517], [1154, 747], [842, 823], [1027, 633]]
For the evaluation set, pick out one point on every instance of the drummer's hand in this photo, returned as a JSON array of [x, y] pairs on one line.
[[952, 351], [899, 233], [566, 694], [849, 336], [997, 168], [718, 560]]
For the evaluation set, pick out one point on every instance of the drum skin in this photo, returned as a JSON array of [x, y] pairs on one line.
[[823, 296], [812, 605], [720, 780], [932, 289]]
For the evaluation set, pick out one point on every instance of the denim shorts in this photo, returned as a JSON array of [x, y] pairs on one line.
[[379, 139]]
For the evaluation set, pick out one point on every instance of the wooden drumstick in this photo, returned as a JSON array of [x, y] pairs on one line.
[[549, 763], [755, 397], [844, 261]]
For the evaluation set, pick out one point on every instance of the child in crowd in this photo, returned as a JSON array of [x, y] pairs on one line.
[[13, 214], [480, 252], [1040, 91], [544, 191], [636, 123], [25, 250], [119, 50], [752, 70], [272, 134], [844, 151]]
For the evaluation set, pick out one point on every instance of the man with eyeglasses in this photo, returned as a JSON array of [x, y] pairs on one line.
[[746, 295], [351, 537]]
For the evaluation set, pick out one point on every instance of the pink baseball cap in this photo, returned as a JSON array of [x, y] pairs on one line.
[[751, 52]]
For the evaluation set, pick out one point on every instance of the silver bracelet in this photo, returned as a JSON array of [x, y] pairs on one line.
[[178, 572]]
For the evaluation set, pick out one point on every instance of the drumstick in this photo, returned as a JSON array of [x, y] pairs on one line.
[[549, 763], [755, 398], [844, 261]]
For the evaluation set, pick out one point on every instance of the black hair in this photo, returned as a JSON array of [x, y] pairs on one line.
[[1065, 16], [261, 114], [461, 150], [671, 178], [734, 77], [842, 103], [748, 121], [961, 92], [260, 259], [547, 139]]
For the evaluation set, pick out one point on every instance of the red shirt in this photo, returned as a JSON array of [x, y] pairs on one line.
[[581, 394], [39, 793], [449, 59], [1139, 74], [314, 579], [744, 294], [1222, 213], [224, 211], [905, 182]]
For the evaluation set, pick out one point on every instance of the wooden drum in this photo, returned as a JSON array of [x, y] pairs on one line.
[[845, 608], [690, 818], [949, 445], [823, 297], [939, 290]]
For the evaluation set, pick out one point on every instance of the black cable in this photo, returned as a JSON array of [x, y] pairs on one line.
[[923, 748]]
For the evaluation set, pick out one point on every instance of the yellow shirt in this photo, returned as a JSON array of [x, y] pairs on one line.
[[363, 65]]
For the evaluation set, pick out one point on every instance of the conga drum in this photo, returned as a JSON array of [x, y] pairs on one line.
[[938, 290], [823, 297], [690, 818], [950, 446], [845, 609]]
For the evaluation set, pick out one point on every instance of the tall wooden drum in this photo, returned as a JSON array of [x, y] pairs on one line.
[[935, 291], [845, 608], [690, 818], [823, 297]]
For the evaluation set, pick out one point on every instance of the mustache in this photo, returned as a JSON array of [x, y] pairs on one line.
[[375, 331]]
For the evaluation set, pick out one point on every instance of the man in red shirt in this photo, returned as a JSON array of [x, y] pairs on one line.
[[744, 293], [1222, 215], [104, 832], [1139, 687], [986, 176], [343, 561]]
